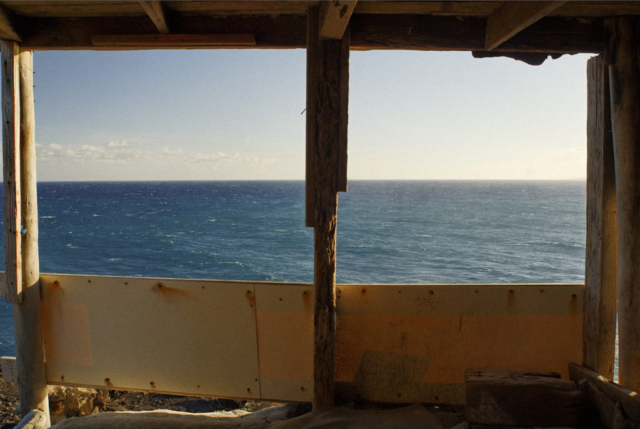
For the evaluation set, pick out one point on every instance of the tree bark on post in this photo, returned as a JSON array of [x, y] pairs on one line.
[[624, 78], [601, 253], [326, 146]]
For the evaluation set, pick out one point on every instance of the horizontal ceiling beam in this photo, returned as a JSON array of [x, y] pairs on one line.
[[164, 41], [403, 32], [513, 17], [156, 12]]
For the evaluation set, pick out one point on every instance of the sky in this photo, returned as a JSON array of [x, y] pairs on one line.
[[237, 115]]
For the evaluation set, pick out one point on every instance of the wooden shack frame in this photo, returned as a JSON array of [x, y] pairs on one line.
[[309, 342]]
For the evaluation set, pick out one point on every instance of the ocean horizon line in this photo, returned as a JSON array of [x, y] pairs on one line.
[[303, 180]]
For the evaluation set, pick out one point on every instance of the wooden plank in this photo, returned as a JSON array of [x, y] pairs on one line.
[[624, 79], [427, 336], [11, 163], [628, 399], [508, 398], [226, 8], [334, 18], [9, 369], [343, 153], [601, 251], [444, 8], [74, 9], [485, 8], [447, 8], [410, 32], [311, 118], [513, 17], [32, 383], [3, 285], [171, 336], [156, 12], [162, 41]]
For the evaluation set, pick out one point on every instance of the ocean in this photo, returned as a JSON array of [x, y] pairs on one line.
[[388, 232]]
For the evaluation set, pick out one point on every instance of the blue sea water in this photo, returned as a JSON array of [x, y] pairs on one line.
[[388, 232]]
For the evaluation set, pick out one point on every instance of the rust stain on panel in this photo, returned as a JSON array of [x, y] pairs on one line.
[[169, 292], [251, 298], [306, 300]]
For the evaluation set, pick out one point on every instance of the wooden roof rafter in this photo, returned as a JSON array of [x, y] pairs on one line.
[[334, 18], [157, 13], [512, 17]]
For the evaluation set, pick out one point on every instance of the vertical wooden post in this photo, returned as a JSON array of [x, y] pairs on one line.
[[32, 384], [11, 171], [326, 145], [624, 79], [601, 255]]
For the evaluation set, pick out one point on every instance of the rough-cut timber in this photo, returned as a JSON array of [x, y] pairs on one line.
[[312, 96], [513, 17], [412, 32], [156, 12], [334, 18], [11, 162], [629, 400], [624, 79], [183, 41], [330, 69], [32, 382], [498, 397], [601, 253]]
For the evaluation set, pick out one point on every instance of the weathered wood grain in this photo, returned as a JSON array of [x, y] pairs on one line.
[[601, 252], [628, 399], [512, 17], [326, 210], [32, 381], [11, 163], [624, 79], [156, 12], [500, 397], [334, 18], [368, 31], [311, 118], [163, 41]]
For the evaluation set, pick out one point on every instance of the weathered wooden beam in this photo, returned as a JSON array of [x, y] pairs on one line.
[[601, 253], [334, 18], [624, 80], [8, 26], [331, 64], [370, 31], [628, 399], [156, 12], [513, 17], [312, 120], [163, 41], [32, 381], [11, 163], [500, 397]]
